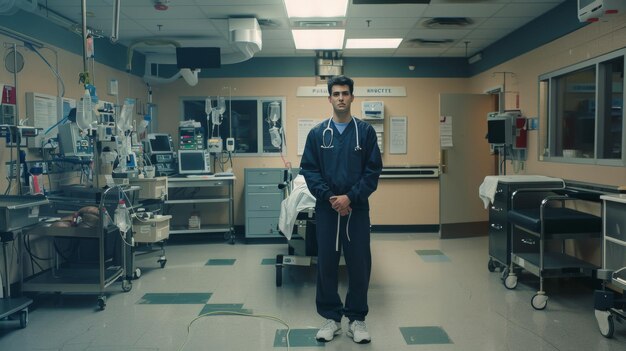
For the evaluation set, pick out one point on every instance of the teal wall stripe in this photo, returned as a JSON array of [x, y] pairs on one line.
[[37, 27], [425, 67], [353, 66], [559, 21]]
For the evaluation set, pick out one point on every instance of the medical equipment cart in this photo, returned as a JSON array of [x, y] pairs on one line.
[[548, 225], [16, 213], [92, 277], [608, 308], [209, 191], [499, 228]]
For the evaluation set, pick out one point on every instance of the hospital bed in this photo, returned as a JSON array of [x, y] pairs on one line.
[[297, 223]]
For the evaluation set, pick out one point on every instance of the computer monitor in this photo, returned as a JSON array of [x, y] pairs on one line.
[[500, 130], [198, 57], [159, 143], [194, 162]]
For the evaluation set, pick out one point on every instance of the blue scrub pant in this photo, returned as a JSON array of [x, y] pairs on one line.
[[358, 259]]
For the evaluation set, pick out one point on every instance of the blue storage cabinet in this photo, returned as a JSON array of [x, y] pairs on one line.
[[262, 202]]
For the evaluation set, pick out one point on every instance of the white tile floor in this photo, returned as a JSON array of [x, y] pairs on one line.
[[461, 296]]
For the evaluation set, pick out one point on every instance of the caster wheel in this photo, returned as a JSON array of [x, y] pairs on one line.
[[127, 285], [137, 273], [102, 303], [539, 301], [162, 262], [491, 266], [606, 323], [23, 319], [279, 270], [510, 282]]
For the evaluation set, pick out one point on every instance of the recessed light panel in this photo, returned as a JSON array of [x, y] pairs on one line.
[[318, 8], [374, 43], [318, 39]]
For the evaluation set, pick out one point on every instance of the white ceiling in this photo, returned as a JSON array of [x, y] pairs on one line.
[[204, 23]]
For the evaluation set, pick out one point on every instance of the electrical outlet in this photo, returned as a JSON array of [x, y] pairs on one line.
[[11, 169]]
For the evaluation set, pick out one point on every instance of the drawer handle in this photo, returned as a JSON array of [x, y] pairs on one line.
[[497, 209], [265, 206], [528, 241], [263, 173], [496, 226], [263, 186]]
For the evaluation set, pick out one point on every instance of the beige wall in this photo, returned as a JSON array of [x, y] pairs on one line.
[[396, 202], [593, 40]]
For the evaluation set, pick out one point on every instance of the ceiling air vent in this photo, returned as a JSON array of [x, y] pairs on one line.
[[447, 22], [420, 42], [318, 24]]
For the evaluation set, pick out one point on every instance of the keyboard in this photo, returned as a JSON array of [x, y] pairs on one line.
[[203, 176]]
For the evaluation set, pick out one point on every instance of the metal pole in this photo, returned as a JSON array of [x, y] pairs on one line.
[[84, 16], [16, 137]]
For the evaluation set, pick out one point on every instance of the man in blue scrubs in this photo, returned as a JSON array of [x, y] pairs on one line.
[[341, 164]]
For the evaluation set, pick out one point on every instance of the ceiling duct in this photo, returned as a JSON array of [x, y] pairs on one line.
[[245, 41], [245, 38], [447, 22]]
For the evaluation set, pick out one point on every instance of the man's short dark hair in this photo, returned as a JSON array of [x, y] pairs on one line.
[[340, 80]]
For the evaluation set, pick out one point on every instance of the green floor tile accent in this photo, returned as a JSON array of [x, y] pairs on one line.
[[432, 256], [268, 261], [225, 307], [175, 298], [297, 338], [221, 262], [428, 252], [425, 335]]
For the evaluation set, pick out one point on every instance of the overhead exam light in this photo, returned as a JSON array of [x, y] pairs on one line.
[[245, 40]]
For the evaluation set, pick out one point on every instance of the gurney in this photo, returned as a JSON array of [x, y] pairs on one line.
[[297, 223]]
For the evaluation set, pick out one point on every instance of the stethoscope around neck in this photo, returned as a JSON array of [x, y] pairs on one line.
[[332, 133]]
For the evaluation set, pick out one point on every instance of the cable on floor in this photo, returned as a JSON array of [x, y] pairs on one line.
[[232, 313]]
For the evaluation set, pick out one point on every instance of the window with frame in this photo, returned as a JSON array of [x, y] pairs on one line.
[[581, 112], [256, 123]]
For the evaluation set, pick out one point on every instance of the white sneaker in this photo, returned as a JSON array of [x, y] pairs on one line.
[[329, 329], [358, 332]]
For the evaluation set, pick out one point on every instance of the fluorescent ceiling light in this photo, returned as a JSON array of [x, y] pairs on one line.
[[318, 8], [318, 39], [377, 43]]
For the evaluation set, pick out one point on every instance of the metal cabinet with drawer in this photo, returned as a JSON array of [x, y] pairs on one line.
[[499, 229], [262, 202]]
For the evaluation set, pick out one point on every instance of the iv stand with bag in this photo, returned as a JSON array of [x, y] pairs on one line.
[[273, 118]]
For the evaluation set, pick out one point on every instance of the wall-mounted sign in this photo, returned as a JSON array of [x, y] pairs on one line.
[[322, 90]]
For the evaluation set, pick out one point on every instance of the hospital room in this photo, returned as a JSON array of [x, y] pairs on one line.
[[167, 168]]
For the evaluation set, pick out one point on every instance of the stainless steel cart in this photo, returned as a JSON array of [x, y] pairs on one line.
[[17, 212], [87, 278], [608, 307], [549, 221]]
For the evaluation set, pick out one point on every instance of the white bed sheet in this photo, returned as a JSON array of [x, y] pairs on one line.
[[299, 200]]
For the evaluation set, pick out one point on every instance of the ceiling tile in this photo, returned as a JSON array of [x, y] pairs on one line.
[[458, 10]]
